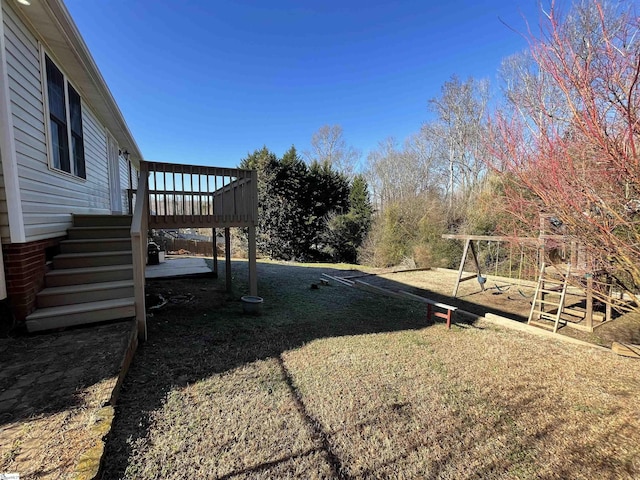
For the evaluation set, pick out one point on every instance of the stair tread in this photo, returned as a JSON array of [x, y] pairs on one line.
[[97, 240], [102, 215], [94, 254], [85, 287], [81, 308], [98, 269], [102, 227]]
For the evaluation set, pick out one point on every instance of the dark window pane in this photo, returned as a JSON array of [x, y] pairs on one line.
[[75, 111], [60, 131], [55, 144], [60, 146], [55, 89], [78, 155]]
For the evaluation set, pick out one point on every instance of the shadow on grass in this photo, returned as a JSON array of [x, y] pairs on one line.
[[205, 333]]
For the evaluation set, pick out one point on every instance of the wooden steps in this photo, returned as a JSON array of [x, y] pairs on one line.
[[541, 324], [92, 278], [80, 314], [78, 276], [95, 245], [91, 292], [87, 220], [92, 259]]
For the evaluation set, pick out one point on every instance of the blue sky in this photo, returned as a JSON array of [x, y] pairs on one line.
[[206, 82]]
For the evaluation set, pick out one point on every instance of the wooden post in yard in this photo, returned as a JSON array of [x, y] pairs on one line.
[[607, 316], [475, 257], [227, 256], [253, 272], [589, 306], [215, 253], [462, 261]]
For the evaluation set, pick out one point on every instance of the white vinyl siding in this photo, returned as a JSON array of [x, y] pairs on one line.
[[123, 164], [48, 197], [134, 184]]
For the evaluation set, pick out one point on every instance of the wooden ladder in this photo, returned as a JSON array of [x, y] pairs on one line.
[[550, 293]]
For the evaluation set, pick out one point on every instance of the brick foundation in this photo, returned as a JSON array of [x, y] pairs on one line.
[[25, 265]]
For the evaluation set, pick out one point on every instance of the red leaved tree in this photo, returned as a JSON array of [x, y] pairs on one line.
[[567, 144]]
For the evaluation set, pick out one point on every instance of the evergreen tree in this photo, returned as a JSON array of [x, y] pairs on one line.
[[328, 193], [360, 203], [295, 203], [345, 233]]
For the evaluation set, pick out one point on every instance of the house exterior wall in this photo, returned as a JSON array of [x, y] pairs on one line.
[[25, 266], [48, 197], [4, 217], [123, 166]]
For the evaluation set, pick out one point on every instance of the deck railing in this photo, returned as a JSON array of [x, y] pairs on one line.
[[139, 227], [180, 196], [200, 196]]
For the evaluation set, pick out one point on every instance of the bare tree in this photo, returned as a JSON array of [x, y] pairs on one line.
[[328, 146], [461, 111], [396, 173]]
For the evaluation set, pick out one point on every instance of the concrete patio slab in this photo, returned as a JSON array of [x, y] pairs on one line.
[[178, 266]]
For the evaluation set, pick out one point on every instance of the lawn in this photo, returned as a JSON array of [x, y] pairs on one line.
[[335, 382]]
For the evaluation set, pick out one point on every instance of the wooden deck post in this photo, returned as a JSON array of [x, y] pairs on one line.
[[139, 228], [227, 257], [253, 272], [215, 254]]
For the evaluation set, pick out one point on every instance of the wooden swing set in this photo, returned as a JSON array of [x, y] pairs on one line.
[[561, 286]]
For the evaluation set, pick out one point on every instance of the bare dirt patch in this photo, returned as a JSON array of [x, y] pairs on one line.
[[502, 296]]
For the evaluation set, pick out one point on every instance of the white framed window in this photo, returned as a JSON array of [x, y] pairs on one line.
[[64, 112]]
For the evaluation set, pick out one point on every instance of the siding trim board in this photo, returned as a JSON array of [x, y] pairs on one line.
[[8, 145]]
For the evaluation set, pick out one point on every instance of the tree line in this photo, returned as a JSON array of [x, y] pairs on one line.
[[559, 138], [308, 211]]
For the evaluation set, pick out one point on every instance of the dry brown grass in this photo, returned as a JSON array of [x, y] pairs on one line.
[[243, 422], [339, 383], [471, 403]]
